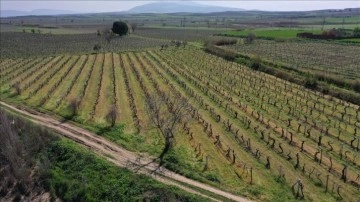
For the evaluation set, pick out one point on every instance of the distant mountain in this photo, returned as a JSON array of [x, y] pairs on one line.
[[13, 13], [179, 7], [51, 12]]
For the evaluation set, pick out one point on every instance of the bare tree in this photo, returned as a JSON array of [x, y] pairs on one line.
[[112, 115], [17, 88], [97, 48], [19, 172], [11, 149], [133, 27], [74, 107], [300, 187], [108, 34], [166, 114]]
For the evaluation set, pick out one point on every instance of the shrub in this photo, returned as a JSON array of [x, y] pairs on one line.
[[97, 47], [310, 82], [226, 54], [250, 38], [224, 41], [256, 63], [212, 177], [356, 86]]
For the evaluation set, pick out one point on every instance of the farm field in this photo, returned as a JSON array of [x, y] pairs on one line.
[[351, 40], [16, 44], [247, 132], [185, 34], [336, 60], [270, 33]]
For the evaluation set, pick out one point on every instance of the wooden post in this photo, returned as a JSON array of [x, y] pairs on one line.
[[327, 183], [251, 176]]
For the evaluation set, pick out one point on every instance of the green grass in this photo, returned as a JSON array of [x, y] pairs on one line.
[[77, 175], [350, 40], [330, 26], [329, 20], [186, 27], [132, 142], [73, 173], [270, 33]]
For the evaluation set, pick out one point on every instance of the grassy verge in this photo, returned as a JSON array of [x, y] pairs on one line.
[[67, 171], [77, 175]]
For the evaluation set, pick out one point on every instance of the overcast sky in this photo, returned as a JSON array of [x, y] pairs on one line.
[[108, 6]]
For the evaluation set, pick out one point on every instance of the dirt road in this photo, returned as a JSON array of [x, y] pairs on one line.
[[119, 156]]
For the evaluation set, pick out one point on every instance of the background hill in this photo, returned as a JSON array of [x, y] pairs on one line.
[[179, 7], [12, 13]]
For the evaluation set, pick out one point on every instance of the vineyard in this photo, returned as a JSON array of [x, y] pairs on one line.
[[328, 58], [177, 33], [248, 132], [19, 45]]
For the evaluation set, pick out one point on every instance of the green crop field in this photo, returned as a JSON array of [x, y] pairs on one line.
[[248, 133], [280, 33], [351, 40]]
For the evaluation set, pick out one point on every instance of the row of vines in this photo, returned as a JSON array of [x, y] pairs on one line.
[[248, 132]]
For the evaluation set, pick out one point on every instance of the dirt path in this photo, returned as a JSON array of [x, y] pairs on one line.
[[120, 156]]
